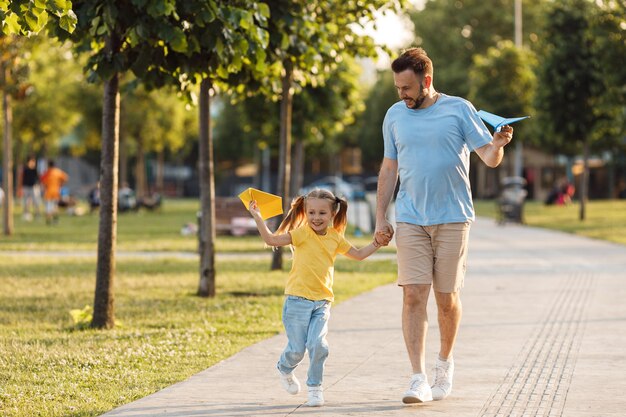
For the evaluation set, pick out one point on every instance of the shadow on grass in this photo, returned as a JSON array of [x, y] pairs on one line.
[[271, 292]]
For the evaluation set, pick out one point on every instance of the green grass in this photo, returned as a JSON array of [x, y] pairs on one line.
[[141, 231], [165, 333], [605, 219], [48, 368]]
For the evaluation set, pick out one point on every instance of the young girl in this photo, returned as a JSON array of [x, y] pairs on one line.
[[314, 227]]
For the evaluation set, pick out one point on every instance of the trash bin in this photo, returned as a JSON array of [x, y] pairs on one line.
[[511, 200]]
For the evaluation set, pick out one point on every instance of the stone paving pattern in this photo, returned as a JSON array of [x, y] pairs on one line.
[[543, 334]]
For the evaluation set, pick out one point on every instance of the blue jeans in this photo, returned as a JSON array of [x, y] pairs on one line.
[[306, 324]]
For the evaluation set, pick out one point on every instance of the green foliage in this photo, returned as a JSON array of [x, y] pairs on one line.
[[82, 317], [320, 114], [44, 110], [26, 17], [172, 42], [315, 37], [368, 127], [157, 118], [569, 81], [609, 35], [453, 31], [503, 82]]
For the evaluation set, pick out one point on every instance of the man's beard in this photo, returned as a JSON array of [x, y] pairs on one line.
[[417, 101]]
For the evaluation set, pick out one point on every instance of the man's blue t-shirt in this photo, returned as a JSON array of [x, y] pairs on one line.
[[432, 147]]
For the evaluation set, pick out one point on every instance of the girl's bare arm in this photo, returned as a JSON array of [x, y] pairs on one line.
[[268, 237], [364, 252]]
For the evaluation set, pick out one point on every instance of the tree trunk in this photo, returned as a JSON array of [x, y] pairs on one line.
[[284, 158], [103, 310], [140, 170], [7, 160], [206, 286], [584, 185], [298, 177], [123, 164], [160, 168]]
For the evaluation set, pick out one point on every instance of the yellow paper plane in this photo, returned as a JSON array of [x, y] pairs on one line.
[[270, 205]]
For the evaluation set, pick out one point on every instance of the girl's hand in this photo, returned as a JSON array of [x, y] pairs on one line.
[[254, 209]]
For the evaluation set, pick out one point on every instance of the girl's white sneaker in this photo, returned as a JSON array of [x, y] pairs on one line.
[[316, 397], [290, 383]]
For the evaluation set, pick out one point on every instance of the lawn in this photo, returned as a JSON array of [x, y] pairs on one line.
[[140, 231], [605, 219], [164, 332]]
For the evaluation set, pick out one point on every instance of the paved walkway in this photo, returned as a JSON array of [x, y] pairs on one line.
[[543, 334]]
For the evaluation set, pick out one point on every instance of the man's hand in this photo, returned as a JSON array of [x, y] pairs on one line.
[[383, 233], [503, 137]]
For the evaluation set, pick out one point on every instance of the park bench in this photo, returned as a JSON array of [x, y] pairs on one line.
[[232, 217]]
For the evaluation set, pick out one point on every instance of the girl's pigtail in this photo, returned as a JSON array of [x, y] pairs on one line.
[[295, 217], [340, 220]]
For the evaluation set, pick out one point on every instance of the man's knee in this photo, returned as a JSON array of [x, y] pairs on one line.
[[448, 303], [415, 296]]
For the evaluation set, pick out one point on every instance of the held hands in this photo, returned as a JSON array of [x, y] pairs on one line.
[[383, 234], [503, 137]]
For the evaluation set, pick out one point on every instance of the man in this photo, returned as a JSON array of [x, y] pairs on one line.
[[52, 180], [31, 194], [428, 137]]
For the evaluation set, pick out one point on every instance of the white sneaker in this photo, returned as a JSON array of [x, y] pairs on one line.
[[316, 397], [290, 382], [444, 371], [419, 390]]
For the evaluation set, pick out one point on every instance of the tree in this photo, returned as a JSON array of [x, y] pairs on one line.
[[12, 74], [22, 17], [308, 40], [224, 47], [319, 117], [26, 17], [569, 83], [161, 42], [153, 121], [368, 126], [453, 31], [609, 50], [503, 80], [54, 76]]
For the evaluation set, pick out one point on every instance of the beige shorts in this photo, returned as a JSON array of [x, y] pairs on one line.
[[432, 255]]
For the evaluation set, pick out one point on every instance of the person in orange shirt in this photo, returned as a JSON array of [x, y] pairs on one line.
[[52, 180]]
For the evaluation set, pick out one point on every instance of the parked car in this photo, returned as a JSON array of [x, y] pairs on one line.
[[334, 184]]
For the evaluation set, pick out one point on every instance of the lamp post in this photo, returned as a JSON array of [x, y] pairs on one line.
[[518, 161]]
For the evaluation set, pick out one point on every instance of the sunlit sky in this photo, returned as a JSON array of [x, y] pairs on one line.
[[394, 31]]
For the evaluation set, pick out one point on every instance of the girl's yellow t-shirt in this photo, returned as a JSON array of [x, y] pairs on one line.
[[313, 264]]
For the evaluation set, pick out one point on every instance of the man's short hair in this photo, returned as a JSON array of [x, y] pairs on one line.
[[414, 59]]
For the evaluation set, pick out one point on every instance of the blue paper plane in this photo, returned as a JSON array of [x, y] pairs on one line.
[[496, 121]]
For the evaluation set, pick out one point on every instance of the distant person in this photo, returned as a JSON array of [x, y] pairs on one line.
[[126, 199], [94, 198], [68, 202], [567, 192], [52, 180], [314, 227], [31, 191], [428, 137], [562, 193], [622, 190]]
